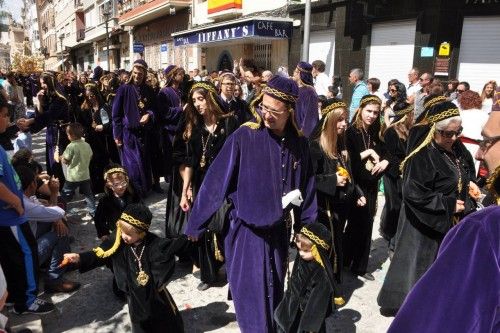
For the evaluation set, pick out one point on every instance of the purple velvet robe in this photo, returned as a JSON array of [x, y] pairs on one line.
[[461, 290], [254, 170], [306, 111], [126, 127]]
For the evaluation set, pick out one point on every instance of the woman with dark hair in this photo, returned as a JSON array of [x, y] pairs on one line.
[[335, 190], [203, 129], [368, 163], [395, 138], [451, 89], [397, 94], [95, 117], [51, 113]]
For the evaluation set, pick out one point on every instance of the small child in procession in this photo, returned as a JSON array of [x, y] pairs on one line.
[[118, 193], [142, 263], [309, 298]]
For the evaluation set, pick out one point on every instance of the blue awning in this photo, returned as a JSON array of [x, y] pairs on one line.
[[246, 28]]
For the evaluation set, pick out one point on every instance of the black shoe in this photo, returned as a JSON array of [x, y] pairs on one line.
[[368, 276], [203, 286], [39, 306]]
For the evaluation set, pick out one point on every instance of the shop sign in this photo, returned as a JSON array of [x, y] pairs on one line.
[[444, 49], [426, 52], [138, 48], [255, 28], [215, 6], [442, 66], [164, 53]]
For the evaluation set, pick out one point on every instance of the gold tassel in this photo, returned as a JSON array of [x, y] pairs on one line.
[[424, 143], [104, 254], [258, 120], [339, 301], [316, 256], [217, 253]]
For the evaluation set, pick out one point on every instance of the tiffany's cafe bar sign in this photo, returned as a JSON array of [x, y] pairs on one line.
[[275, 29]]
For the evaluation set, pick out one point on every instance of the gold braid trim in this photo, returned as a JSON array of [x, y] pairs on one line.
[[258, 120], [90, 85], [424, 143], [279, 94], [316, 256], [133, 221], [332, 107], [315, 238], [303, 70], [206, 86], [104, 254], [444, 115], [370, 99], [434, 101], [114, 170], [405, 111], [491, 184], [217, 252]]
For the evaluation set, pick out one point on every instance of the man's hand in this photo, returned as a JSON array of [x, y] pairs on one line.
[[459, 206], [60, 228], [73, 258], [144, 119], [54, 185], [99, 128], [361, 202]]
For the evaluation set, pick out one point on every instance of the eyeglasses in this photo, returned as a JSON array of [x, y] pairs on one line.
[[487, 142], [119, 185], [274, 113], [228, 83], [450, 134]]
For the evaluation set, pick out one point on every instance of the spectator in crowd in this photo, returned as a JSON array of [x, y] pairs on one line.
[[451, 90], [359, 90], [414, 85], [397, 93], [418, 99], [52, 244], [196, 75], [487, 95], [266, 76], [321, 80], [232, 104], [473, 120], [463, 86], [373, 85]]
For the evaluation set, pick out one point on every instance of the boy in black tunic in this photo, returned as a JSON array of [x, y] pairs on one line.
[[309, 298], [142, 264]]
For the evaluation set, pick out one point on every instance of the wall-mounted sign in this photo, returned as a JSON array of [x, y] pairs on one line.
[[215, 6], [138, 48], [441, 66], [164, 53], [252, 28], [426, 52], [444, 49]]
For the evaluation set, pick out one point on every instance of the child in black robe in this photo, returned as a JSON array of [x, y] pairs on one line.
[[142, 263], [309, 298]]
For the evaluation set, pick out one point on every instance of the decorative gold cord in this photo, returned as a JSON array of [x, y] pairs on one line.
[[133, 221], [114, 170], [99, 252], [284, 96], [309, 234], [444, 115], [427, 140]]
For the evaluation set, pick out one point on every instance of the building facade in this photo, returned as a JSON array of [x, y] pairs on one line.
[[47, 30], [448, 38]]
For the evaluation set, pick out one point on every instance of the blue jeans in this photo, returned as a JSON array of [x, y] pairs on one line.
[[52, 247], [85, 189]]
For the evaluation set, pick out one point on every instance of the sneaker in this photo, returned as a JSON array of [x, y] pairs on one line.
[[39, 306], [203, 286]]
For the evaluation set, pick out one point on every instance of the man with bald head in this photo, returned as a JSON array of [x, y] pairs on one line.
[[459, 293]]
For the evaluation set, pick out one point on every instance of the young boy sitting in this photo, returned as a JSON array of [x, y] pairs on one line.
[[77, 156], [142, 264], [308, 300]]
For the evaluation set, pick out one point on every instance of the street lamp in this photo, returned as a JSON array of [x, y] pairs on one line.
[[106, 13], [61, 38]]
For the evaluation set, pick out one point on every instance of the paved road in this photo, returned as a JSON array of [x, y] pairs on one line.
[[93, 308]]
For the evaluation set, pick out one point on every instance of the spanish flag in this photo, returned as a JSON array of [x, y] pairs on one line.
[[215, 6]]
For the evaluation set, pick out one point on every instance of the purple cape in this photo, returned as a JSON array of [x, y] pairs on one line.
[[254, 169], [126, 127], [169, 110], [461, 290], [306, 111]]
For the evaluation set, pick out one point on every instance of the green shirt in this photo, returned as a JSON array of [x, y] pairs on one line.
[[78, 154]]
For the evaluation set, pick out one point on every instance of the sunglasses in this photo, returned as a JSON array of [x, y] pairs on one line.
[[450, 134], [487, 142], [393, 90]]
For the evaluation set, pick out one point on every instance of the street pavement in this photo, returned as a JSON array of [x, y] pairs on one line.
[[94, 308]]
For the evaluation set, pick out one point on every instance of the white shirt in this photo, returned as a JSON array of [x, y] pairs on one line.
[[473, 121], [412, 89], [36, 212], [321, 84]]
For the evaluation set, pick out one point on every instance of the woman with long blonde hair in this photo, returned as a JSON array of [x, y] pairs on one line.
[[335, 189]]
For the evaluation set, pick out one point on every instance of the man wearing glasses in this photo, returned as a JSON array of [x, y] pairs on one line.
[[459, 292], [236, 105], [425, 81]]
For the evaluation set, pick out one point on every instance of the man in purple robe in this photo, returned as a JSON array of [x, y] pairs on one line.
[[133, 116], [169, 110], [306, 114], [259, 164], [461, 290]]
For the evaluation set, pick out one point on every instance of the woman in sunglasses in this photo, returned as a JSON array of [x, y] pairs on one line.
[[437, 175], [397, 94]]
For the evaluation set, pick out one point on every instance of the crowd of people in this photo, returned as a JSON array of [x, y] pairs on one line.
[[252, 160]]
